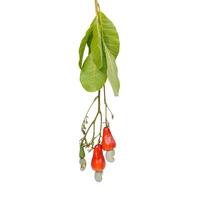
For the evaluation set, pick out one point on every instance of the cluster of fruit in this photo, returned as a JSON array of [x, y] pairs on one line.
[[98, 161]]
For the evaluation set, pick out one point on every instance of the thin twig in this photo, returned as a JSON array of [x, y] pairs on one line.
[[92, 124], [105, 104]]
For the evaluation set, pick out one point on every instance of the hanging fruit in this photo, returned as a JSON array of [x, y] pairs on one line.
[[98, 162], [99, 66], [82, 160], [108, 144]]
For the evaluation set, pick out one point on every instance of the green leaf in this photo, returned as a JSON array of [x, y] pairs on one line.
[[84, 41], [110, 35], [89, 42], [103, 42], [96, 44], [92, 78], [112, 71]]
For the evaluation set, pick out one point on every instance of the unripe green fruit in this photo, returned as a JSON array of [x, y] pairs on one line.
[[81, 152]]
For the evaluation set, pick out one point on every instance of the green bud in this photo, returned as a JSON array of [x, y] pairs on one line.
[[82, 152]]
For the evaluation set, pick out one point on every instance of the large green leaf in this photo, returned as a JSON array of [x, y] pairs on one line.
[[110, 35], [112, 71], [96, 47], [103, 42], [92, 78], [84, 41]]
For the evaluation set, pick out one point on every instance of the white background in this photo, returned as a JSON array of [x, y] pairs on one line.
[[157, 115]]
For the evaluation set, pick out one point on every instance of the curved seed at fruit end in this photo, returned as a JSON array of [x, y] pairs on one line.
[[98, 176], [110, 156], [82, 162]]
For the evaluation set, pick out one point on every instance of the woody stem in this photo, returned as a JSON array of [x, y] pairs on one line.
[[97, 7], [105, 103]]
